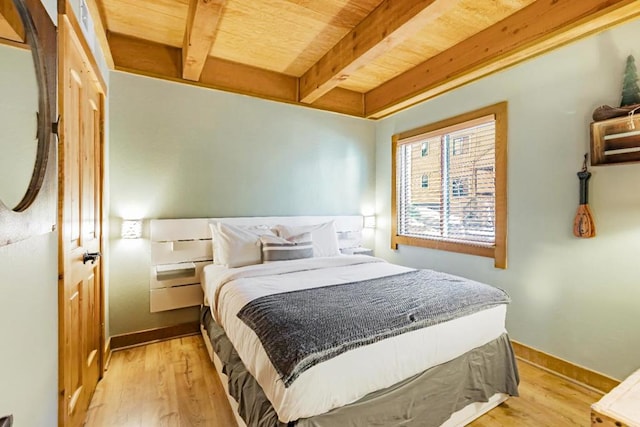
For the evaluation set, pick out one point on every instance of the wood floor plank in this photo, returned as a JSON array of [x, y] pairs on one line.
[[173, 383], [170, 383], [545, 400], [161, 403]]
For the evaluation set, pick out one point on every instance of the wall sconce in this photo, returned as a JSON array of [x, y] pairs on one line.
[[131, 229], [369, 221]]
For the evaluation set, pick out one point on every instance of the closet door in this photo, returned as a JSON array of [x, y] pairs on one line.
[[80, 207]]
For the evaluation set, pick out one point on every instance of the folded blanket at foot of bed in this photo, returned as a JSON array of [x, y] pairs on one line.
[[323, 322]]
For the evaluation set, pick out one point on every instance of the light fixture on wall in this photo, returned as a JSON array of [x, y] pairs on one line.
[[369, 221], [131, 229]]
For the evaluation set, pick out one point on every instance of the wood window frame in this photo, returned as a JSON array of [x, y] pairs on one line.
[[499, 250]]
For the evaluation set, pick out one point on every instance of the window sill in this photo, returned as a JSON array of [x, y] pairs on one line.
[[484, 251]]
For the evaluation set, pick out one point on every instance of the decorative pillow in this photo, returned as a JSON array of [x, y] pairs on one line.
[[235, 246], [324, 237], [278, 249]]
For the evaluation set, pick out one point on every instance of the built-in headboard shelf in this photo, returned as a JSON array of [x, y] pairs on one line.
[[181, 248]]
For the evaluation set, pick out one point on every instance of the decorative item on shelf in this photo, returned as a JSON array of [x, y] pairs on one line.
[[630, 99], [614, 138], [605, 112], [369, 221], [6, 421], [583, 225], [131, 229], [630, 89]]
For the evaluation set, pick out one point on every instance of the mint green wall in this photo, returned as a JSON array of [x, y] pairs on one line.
[[181, 151], [29, 319], [29, 331], [574, 298]]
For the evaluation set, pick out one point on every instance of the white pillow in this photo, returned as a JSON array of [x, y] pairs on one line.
[[235, 246], [324, 237]]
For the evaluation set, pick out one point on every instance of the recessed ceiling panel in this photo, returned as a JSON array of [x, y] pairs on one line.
[[160, 21], [286, 36]]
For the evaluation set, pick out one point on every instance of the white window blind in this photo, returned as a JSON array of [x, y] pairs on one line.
[[459, 203]]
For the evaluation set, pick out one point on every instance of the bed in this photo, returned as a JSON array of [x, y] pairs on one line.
[[306, 336]]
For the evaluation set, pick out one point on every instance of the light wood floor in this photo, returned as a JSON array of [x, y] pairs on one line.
[[170, 383], [173, 383]]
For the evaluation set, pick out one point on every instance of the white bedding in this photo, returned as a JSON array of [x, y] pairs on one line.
[[355, 373]]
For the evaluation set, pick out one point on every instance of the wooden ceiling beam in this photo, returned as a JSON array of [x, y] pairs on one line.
[[99, 23], [161, 61], [11, 27], [391, 23], [533, 30], [199, 34]]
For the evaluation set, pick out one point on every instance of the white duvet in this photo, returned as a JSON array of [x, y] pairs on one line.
[[355, 373]]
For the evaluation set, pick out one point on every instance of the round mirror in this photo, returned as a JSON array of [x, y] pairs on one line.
[[18, 123], [27, 109]]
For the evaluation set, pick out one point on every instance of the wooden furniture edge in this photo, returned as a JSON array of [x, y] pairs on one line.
[[591, 379], [132, 339], [106, 355], [600, 419]]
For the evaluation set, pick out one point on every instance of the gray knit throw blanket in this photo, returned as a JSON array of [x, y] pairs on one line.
[[300, 329]]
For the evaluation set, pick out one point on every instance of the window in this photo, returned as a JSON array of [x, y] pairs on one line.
[[465, 207], [459, 187], [460, 144], [425, 149]]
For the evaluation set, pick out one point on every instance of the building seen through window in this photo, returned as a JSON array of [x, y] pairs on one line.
[[425, 180], [425, 149]]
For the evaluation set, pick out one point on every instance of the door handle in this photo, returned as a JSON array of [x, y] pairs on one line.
[[90, 256]]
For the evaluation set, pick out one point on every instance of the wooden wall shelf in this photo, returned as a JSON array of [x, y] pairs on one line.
[[615, 140]]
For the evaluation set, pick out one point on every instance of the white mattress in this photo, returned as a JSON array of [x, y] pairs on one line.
[[355, 373]]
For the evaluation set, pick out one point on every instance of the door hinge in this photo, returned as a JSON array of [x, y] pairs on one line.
[[55, 127]]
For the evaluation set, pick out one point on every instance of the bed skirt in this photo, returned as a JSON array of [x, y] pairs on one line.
[[427, 399]]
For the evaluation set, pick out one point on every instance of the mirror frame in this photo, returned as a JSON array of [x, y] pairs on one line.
[[36, 213]]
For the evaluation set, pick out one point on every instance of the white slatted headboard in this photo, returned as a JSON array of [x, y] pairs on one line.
[[180, 248]]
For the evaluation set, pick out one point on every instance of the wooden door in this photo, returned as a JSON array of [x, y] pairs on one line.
[[80, 206]]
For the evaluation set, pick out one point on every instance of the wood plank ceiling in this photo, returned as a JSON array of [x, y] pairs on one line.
[[11, 27], [367, 58]]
